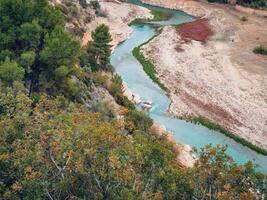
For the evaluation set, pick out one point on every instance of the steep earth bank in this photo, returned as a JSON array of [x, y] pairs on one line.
[[221, 78]]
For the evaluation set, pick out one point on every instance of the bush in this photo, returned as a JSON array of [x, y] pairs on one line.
[[95, 4], [10, 72], [260, 50], [140, 120], [253, 3], [104, 109], [98, 78], [115, 90], [83, 3], [74, 10], [244, 18]]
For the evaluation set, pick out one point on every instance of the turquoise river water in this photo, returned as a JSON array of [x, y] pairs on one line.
[[139, 83]]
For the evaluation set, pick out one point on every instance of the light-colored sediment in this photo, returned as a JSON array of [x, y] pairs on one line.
[[134, 98], [221, 79], [118, 16], [185, 156]]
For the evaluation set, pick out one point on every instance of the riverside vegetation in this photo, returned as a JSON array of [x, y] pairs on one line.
[[148, 67], [157, 16], [205, 122], [247, 3], [260, 50], [53, 146]]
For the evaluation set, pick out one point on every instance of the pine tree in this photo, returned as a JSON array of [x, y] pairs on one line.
[[99, 50]]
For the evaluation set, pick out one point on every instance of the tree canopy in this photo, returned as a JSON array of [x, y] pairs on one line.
[[10, 72], [32, 34], [98, 52]]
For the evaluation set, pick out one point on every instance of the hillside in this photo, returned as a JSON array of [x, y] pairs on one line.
[[68, 132]]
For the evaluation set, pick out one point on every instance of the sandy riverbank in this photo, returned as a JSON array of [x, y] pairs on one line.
[[185, 155], [118, 17], [221, 79]]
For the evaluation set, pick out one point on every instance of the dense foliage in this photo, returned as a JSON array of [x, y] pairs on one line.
[[33, 39], [61, 150], [58, 149], [248, 3], [52, 147], [96, 56], [253, 3]]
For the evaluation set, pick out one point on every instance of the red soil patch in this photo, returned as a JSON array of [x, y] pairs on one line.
[[198, 30]]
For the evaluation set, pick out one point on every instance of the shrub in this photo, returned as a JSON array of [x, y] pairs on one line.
[[140, 120], [244, 18], [260, 50], [115, 90], [98, 78], [74, 10], [217, 1], [104, 109], [95, 4], [10, 72], [83, 3]]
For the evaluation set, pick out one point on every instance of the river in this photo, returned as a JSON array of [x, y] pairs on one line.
[[139, 83]]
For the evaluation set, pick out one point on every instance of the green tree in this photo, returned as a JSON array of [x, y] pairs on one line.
[[24, 24], [27, 59], [30, 35], [60, 48], [60, 54], [99, 50], [10, 72]]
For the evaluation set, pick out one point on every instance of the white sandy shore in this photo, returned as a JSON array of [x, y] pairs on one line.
[[222, 79], [118, 17]]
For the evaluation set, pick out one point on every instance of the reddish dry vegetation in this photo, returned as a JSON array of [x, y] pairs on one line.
[[214, 110], [198, 30]]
